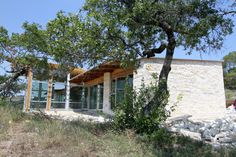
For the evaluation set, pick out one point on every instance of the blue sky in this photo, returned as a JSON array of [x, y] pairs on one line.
[[14, 12]]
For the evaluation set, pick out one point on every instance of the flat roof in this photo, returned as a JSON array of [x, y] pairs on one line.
[[96, 72], [112, 65], [181, 59]]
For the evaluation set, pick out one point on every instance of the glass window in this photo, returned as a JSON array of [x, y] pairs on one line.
[[130, 80], [85, 98], [113, 94], [118, 89], [58, 95], [93, 97], [39, 94], [100, 96], [76, 97]]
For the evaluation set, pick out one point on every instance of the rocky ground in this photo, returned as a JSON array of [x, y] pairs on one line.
[[220, 132], [72, 116]]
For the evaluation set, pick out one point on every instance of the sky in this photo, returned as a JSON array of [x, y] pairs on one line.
[[14, 12]]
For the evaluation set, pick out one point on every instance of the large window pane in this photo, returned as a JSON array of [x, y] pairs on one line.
[[76, 97], [58, 95], [118, 89], [85, 98], [93, 97], [39, 94], [130, 80], [38, 104], [113, 94], [100, 96], [120, 84]]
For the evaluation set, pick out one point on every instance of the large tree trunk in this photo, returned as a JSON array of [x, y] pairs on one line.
[[166, 68]]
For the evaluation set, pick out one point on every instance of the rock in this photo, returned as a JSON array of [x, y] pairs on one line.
[[180, 118], [179, 125], [221, 132], [233, 144], [217, 124], [220, 136], [225, 140], [225, 127], [193, 135], [234, 129], [216, 146], [214, 131], [207, 135]]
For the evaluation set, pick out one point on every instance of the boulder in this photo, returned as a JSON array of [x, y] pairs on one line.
[[207, 135], [214, 131], [193, 135]]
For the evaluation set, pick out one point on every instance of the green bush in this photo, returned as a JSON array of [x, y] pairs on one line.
[[142, 110]]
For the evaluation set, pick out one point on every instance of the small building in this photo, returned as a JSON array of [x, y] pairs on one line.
[[196, 88]]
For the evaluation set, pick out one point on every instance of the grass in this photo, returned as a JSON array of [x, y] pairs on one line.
[[230, 96], [37, 136]]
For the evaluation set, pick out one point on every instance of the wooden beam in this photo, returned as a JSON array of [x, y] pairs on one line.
[[121, 73], [28, 90], [49, 95], [95, 81]]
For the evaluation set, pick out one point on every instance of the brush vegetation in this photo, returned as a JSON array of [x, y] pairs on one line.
[[35, 135]]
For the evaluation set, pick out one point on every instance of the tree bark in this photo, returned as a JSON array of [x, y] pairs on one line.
[[166, 68]]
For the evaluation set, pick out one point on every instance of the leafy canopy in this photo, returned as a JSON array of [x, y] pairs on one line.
[[230, 70], [132, 28]]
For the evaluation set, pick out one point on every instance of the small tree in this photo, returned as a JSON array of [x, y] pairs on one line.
[[12, 89], [230, 70], [143, 109]]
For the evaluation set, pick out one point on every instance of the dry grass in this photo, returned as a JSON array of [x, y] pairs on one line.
[[35, 136], [86, 139]]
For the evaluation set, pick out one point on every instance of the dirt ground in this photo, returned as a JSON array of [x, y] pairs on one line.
[[17, 142], [20, 143]]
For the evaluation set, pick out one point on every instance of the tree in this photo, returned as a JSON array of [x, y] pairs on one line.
[[117, 30], [230, 70], [22, 51], [36, 47], [12, 89], [128, 29]]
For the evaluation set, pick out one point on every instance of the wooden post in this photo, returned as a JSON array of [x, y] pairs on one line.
[[28, 90], [49, 94]]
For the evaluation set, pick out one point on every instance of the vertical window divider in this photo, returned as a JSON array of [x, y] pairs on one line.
[[98, 96], [88, 99]]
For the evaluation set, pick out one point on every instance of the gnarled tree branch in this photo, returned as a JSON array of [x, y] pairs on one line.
[[152, 52]]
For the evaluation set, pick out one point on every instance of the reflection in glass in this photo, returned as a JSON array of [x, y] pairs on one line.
[[58, 95], [39, 94], [93, 97]]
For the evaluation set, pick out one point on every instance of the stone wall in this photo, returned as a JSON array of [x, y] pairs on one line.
[[196, 86]]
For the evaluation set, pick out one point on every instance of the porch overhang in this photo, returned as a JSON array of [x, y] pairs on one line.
[[96, 72]]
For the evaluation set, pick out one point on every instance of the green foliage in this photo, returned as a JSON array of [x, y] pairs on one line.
[[162, 138], [136, 25], [12, 89], [230, 70], [143, 110]]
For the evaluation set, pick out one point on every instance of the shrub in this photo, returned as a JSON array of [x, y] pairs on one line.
[[142, 110]]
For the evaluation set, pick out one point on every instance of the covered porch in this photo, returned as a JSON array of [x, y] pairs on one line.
[[98, 89]]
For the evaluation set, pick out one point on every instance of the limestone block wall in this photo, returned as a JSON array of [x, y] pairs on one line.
[[196, 87]]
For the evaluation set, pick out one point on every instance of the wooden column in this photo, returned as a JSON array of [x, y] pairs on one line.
[[49, 94], [28, 91]]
